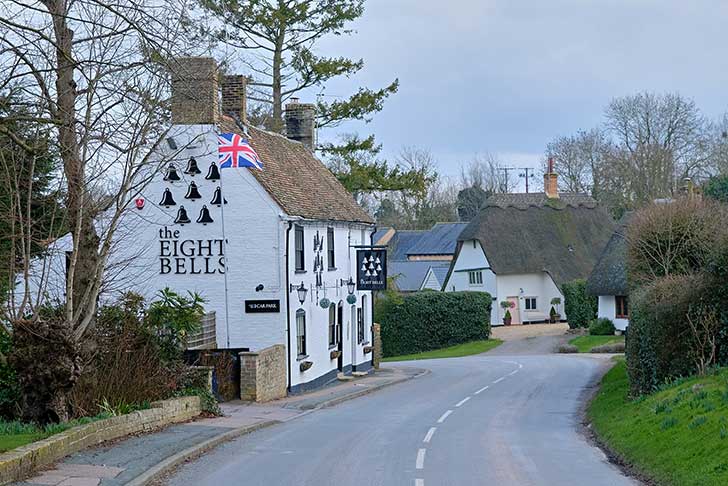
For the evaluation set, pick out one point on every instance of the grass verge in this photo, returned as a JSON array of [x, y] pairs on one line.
[[465, 349], [585, 343], [678, 436]]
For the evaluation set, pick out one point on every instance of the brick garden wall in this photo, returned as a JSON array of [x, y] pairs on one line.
[[263, 374]]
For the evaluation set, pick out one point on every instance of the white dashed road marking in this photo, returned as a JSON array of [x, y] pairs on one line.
[[444, 416], [461, 402], [419, 482], [420, 462], [499, 380], [429, 435], [482, 389], [513, 372]]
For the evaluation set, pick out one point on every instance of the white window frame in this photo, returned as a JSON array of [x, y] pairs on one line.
[[527, 307], [301, 332]]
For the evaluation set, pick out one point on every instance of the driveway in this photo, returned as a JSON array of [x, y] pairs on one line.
[[479, 420], [529, 339]]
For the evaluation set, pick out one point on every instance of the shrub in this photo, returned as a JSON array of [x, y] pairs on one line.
[[433, 320], [9, 389], [579, 305], [609, 348], [602, 327], [659, 344], [567, 349], [717, 188]]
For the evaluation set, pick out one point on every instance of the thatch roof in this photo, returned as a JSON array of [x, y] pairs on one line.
[[610, 273], [530, 233], [300, 183]]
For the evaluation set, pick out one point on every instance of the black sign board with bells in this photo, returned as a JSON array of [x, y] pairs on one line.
[[371, 269], [258, 306]]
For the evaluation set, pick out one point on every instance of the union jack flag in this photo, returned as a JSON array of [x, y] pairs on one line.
[[235, 151]]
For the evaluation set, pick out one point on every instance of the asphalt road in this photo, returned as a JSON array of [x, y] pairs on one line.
[[481, 420]]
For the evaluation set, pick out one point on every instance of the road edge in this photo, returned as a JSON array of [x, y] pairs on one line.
[[587, 431], [171, 462]]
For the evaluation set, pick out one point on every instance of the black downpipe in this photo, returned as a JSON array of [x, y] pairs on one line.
[[288, 304]]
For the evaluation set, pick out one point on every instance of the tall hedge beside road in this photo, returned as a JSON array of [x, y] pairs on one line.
[[580, 306], [433, 320]]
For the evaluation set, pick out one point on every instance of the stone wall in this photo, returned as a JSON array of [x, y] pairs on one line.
[[263, 374], [377, 342], [23, 461]]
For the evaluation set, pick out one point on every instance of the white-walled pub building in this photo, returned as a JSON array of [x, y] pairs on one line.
[[289, 227]]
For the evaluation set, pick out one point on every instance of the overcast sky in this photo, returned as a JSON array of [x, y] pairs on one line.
[[507, 76]]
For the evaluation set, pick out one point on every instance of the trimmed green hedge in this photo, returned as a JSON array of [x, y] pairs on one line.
[[602, 327], [433, 320], [580, 306]]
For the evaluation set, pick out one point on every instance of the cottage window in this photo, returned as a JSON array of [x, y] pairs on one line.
[[330, 248], [339, 323], [332, 325], [300, 263], [622, 307], [475, 277], [359, 327], [301, 332], [530, 303]]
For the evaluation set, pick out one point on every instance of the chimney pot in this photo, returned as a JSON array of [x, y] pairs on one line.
[[551, 181]]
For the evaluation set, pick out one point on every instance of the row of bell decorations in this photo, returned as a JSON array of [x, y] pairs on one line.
[[192, 193], [213, 173], [183, 219]]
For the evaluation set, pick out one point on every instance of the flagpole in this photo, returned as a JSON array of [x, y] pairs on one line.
[[225, 255]]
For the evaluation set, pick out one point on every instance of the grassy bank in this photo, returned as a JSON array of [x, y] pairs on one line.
[[16, 434], [678, 436], [585, 343], [466, 349]]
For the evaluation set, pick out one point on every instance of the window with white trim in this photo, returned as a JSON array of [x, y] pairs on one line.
[[298, 248], [530, 303], [332, 324], [475, 277], [301, 332]]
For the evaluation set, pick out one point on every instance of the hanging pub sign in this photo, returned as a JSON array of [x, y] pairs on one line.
[[371, 269]]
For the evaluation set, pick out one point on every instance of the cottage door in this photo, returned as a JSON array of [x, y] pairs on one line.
[[515, 310], [340, 334]]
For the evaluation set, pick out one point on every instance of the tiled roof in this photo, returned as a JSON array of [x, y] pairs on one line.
[[442, 239], [297, 180], [440, 272], [401, 242]]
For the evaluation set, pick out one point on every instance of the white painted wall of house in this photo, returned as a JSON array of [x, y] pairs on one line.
[[539, 285], [608, 310], [317, 318], [472, 257]]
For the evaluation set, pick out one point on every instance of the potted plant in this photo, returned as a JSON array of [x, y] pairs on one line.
[[554, 315], [507, 305]]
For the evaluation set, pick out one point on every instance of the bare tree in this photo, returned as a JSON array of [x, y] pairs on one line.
[[704, 327], [486, 172], [94, 74], [580, 160]]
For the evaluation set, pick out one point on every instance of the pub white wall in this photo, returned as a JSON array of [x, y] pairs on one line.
[[608, 309], [317, 318]]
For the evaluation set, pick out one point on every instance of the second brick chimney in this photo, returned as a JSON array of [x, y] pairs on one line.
[[551, 181], [234, 89], [194, 91], [301, 123]]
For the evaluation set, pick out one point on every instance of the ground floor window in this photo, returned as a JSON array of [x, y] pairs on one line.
[[622, 307], [530, 303], [475, 277], [301, 332], [359, 326], [332, 325]]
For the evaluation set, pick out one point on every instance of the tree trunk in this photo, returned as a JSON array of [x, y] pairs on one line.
[[278, 124]]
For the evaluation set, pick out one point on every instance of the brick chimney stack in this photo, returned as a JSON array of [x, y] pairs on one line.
[[301, 123], [194, 91], [551, 181], [234, 94]]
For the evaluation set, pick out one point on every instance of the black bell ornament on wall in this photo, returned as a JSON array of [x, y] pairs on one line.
[[192, 192], [192, 168], [213, 173], [171, 174], [167, 199], [182, 217], [217, 197], [204, 217]]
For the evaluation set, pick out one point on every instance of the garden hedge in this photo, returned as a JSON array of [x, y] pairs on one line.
[[580, 306], [433, 320], [602, 327]]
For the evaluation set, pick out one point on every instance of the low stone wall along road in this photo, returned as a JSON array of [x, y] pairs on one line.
[[478, 420]]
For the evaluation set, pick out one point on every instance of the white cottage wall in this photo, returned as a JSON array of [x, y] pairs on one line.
[[608, 309], [471, 257], [539, 285]]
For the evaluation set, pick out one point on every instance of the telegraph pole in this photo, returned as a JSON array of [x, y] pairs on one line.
[[526, 174], [504, 184]]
